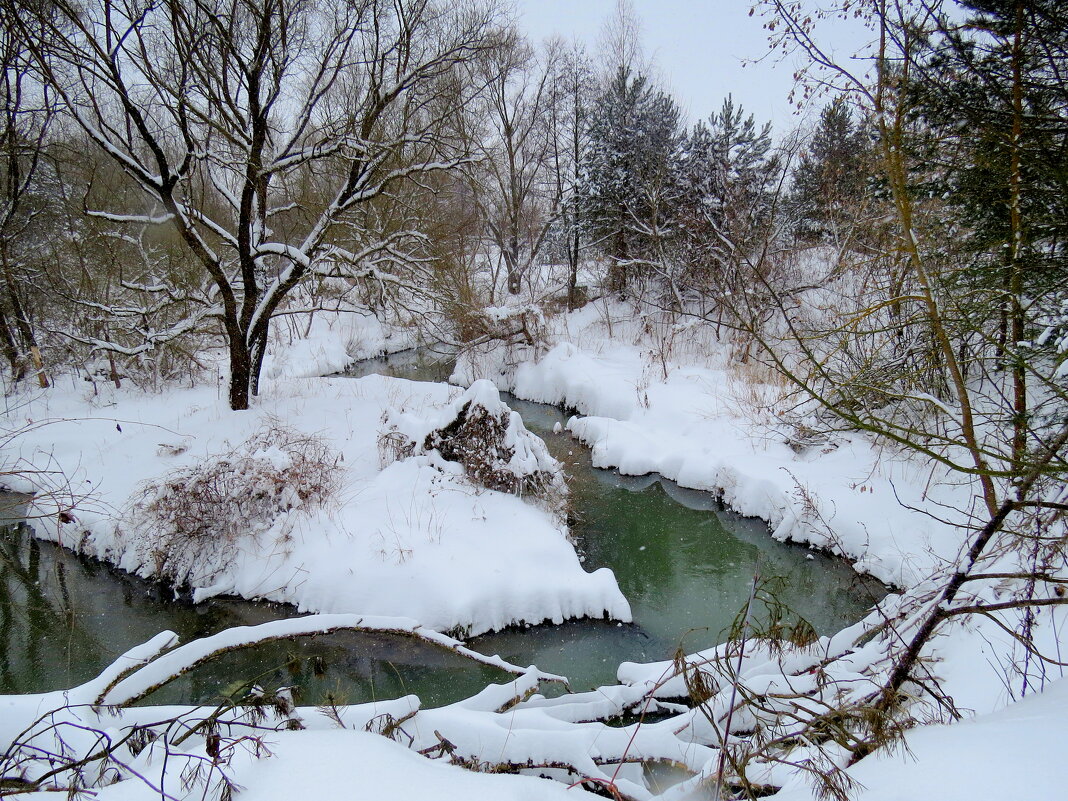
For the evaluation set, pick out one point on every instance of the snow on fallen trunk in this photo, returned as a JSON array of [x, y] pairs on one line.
[[179, 661]]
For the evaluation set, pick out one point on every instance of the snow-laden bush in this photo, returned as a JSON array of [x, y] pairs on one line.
[[187, 525], [479, 431]]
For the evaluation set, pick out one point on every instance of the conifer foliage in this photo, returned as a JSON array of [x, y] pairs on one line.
[[728, 176], [629, 189], [831, 174]]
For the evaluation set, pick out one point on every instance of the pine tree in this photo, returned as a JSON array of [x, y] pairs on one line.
[[996, 95], [728, 171], [628, 189], [831, 175]]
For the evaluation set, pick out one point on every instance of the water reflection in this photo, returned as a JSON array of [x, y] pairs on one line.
[[63, 619], [684, 563]]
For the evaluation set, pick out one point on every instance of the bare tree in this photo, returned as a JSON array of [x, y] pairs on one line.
[[573, 86], [26, 114], [257, 131], [518, 198]]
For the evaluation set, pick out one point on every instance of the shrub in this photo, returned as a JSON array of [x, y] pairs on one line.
[[477, 439], [190, 522], [479, 432]]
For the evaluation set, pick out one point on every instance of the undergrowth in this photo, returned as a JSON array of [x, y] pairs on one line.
[[193, 518], [476, 439]]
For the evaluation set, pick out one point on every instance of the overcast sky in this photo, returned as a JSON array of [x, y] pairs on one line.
[[699, 46]]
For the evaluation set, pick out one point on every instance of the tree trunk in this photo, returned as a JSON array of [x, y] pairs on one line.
[[11, 349], [240, 373], [511, 261], [515, 281], [29, 341], [617, 271], [1016, 288], [572, 275], [259, 349]]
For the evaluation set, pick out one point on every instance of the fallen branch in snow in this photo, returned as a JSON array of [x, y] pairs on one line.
[[165, 669]]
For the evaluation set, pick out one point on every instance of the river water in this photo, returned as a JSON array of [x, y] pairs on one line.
[[685, 564]]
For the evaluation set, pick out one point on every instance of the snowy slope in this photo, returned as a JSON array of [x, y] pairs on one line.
[[848, 498], [416, 539]]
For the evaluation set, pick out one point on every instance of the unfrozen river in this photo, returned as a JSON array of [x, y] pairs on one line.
[[685, 565]]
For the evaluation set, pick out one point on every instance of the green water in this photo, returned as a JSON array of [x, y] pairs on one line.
[[63, 619], [685, 566]]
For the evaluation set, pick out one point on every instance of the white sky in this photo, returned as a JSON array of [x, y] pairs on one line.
[[699, 47]]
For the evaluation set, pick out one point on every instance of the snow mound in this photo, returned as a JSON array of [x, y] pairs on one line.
[[414, 538], [186, 526], [479, 431]]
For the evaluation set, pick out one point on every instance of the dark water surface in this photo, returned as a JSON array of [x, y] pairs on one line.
[[684, 564]]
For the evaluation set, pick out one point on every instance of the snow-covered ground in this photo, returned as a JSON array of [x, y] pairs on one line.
[[1014, 753], [673, 399], [687, 410], [412, 537], [416, 539]]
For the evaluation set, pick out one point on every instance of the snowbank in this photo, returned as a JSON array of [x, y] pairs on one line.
[[1013, 753], [674, 400], [643, 411], [317, 344], [416, 538]]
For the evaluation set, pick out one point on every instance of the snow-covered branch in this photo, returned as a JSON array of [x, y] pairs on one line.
[[181, 660]]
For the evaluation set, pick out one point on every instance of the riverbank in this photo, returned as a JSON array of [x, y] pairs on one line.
[[410, 537], [653, 397], [675, 403]]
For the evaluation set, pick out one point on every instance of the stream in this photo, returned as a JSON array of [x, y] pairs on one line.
[[684, 563]]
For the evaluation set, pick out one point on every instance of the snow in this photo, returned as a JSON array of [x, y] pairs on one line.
[[409, 535], [305, 765], [339, 753], [850, 498], [337, 763], [1016, 752], [325, 343], [414, 539]]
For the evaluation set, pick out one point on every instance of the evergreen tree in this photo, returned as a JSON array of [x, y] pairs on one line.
[[831, 176], [997, 98], [728, 170], [628, 189]]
